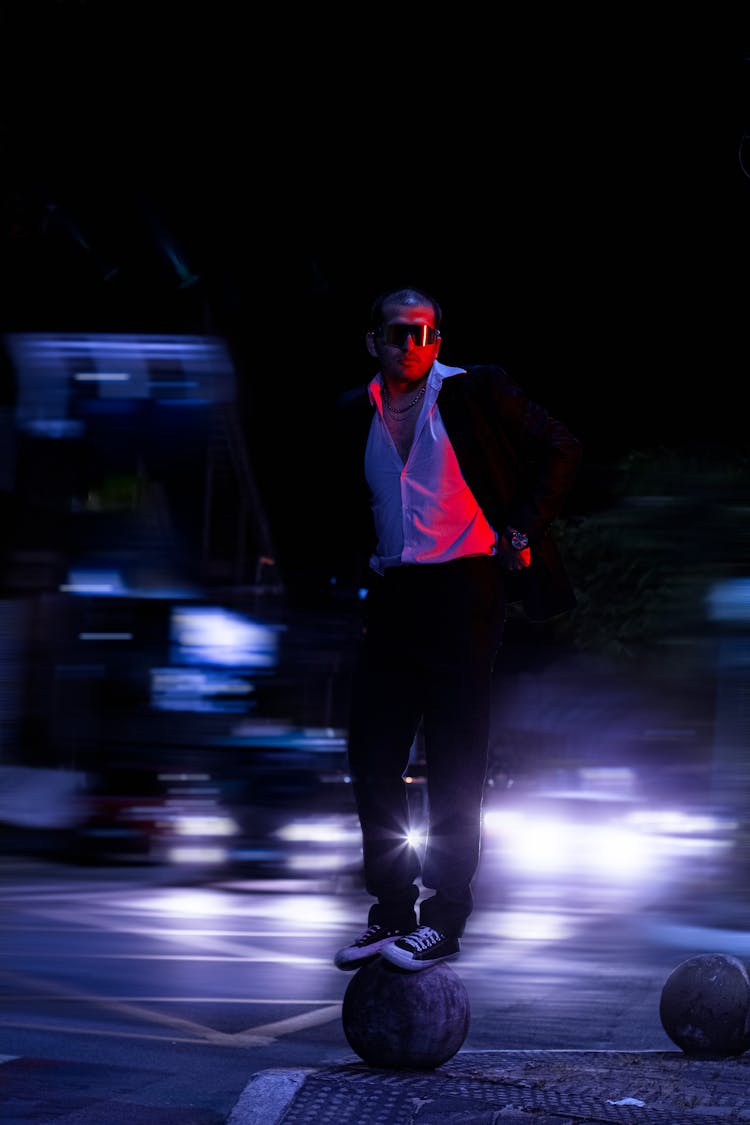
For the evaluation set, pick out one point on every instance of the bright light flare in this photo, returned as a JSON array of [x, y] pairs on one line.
[[630, 848], [207, 825], [553, 846], [197, 854], [327, 831]]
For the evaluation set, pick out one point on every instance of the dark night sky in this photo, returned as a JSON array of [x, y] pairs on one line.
[[577, 201]]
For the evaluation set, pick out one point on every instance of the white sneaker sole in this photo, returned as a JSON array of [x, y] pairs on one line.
[[404, 960]]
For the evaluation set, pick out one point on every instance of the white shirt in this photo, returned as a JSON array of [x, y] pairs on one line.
[[424, 511]]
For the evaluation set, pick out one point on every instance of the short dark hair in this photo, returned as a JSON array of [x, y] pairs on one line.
[[404, 295]]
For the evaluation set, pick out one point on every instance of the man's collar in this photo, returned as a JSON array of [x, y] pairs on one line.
[[436, 374]]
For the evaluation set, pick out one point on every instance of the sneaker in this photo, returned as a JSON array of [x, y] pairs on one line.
[[366, 946], [422, 948]]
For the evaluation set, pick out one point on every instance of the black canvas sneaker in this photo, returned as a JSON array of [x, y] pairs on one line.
[[422, 948], [366, 946]]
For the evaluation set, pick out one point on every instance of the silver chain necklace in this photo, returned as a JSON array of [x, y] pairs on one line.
[[404, 409]]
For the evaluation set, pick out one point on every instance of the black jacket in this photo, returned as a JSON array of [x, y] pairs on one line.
[[519, 462]]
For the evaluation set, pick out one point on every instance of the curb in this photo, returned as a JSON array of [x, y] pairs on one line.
[[267, 1096]]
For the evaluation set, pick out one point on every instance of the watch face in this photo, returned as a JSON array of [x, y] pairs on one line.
[[518, 541]]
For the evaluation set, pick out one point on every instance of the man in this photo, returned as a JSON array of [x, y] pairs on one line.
[[453, 477]]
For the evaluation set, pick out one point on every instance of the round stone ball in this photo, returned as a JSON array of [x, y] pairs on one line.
[[705, 1005], [396, 1019]]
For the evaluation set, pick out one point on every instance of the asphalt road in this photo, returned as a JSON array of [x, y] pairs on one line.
[[183, 990]]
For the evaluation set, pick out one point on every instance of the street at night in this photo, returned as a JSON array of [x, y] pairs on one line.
[[140, 991], [197, 212]]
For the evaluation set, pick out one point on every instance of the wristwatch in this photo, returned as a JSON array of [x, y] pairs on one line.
[[518, 540]]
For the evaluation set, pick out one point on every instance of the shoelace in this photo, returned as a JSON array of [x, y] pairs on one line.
[[423, 937], [369, 932]]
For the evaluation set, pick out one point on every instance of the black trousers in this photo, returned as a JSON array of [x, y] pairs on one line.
[[427, 652]]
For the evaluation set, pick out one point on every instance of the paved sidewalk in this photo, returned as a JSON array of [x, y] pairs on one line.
[[508, 1088], [472, 1088]]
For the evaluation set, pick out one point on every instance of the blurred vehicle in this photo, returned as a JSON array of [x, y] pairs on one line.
[[141, 815], [291, 798], [276, 802], [596, 834]]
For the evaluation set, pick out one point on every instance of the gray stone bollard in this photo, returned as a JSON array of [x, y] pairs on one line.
[[397, 1019], [705, 1005]]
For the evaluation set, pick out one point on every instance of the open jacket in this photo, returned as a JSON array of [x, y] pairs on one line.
[[519, 462]]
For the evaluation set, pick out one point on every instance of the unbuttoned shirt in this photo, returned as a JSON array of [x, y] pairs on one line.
[[423, 509]]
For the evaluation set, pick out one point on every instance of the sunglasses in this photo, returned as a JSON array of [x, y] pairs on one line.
[[421, 335]]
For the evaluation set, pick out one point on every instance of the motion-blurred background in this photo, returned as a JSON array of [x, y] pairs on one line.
[[197, 209]]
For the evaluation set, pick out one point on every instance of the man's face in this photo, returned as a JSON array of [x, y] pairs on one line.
[[406, 356]]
